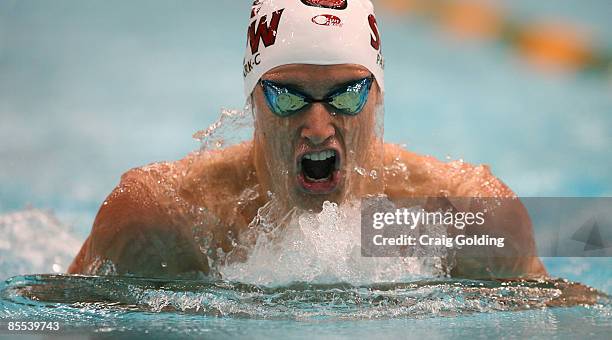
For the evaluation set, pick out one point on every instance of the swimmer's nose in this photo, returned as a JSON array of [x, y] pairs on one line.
[[318, 125]]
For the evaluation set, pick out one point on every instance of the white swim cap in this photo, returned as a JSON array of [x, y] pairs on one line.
[[320, 32]]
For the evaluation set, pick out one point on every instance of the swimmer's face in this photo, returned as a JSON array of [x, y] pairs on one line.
[[310, 156]]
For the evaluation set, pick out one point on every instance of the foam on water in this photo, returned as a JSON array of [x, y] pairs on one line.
[[322, 247], [35, 241]]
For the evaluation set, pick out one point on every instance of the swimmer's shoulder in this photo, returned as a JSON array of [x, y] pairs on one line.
[[130, 226], [220, 183], [411, 174], [196, 177], [146, 213], [219, 176]]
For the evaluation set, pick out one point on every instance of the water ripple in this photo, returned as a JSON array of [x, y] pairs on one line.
[[95, 296]]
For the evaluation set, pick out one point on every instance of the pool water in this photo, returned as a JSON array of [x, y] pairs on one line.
[[89, 90], [102, 305]]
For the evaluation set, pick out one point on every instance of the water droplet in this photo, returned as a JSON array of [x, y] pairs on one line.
[[360, 171]]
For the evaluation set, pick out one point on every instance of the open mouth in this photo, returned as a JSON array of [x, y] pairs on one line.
[[318, 171]]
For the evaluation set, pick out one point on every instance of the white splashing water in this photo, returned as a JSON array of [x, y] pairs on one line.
[[34, 241], [232, 127], [322, 247]]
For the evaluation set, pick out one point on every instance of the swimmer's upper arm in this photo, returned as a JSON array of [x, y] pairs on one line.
[[428, 177], [133, 233], [479, 181]]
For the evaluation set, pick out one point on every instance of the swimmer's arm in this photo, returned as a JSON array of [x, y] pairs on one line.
[[133, 233], [511, 220], [428, 176]]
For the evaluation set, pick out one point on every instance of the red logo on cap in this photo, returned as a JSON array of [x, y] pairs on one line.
[[375, 36], [333, 4], [327, 20], [262, 31]]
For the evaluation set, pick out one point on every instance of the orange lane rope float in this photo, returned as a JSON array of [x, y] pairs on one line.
[[547, 45]]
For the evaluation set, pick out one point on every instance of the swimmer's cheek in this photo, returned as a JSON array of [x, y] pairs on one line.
[[132, 236]]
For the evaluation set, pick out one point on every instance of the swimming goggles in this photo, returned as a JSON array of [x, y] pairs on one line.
[[285, 101]]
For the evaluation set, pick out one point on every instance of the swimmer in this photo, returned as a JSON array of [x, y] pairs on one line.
[[313, 74]]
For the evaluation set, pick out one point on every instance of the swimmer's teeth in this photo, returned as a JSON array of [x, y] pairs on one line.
[[320, 156]]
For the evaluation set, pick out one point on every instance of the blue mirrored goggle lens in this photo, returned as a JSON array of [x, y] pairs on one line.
[[281, 100], [285, 102], [352, 99]]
